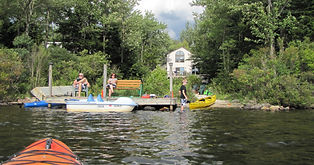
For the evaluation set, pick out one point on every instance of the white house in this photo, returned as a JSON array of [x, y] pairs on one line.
[[181, 60]]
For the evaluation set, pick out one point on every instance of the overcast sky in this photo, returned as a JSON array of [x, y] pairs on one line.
[[174, 13]]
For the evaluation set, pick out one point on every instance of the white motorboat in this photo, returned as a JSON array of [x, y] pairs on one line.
[[122, 104]]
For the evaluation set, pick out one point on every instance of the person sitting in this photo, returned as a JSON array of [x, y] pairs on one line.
[[80, 83], [112, 83]]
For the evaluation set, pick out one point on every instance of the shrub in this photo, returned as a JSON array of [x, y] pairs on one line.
[[157, 82], [279, 80], [11, 69]]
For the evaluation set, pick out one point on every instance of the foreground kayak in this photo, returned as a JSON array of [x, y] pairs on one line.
[[43, 152], [203, 103]]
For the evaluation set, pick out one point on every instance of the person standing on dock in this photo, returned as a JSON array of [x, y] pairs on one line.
[[80, 83], [183, 95]]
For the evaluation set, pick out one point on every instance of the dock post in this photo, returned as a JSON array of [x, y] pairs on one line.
[[171, 85], [104, 82], [50, 79]]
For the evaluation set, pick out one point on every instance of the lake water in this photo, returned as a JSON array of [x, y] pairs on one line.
[[152, 137]]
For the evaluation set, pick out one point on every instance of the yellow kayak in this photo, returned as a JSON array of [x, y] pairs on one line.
[[203, 102]]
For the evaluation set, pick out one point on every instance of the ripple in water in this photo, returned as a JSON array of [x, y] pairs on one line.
[[151, 137]]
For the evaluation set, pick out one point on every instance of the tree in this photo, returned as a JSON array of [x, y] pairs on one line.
[[218, 37], [277, 80], [157, 78], [11, 69], [268, 21]]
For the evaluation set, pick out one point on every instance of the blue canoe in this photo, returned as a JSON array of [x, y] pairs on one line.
[[36, 104]]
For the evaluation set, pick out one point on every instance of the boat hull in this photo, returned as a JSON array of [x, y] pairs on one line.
[[45, 151], [36, 104], [98, 108], [203, 103], [120, 105]]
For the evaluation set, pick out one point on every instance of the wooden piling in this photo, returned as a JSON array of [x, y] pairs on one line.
[[171, 85], [50, 79], [104, 82]]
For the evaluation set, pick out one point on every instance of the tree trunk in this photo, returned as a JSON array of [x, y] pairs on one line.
[[47, 28], [29, 13], [104, 43], [271, 38], [122, 41]]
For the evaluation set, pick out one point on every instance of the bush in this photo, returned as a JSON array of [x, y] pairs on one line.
[[281, 80], [11, 69], [157, 82]]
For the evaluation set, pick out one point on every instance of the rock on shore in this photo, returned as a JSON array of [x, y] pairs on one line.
[[251, 105], [248, 106]]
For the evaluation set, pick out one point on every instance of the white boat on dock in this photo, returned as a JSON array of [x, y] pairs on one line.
[[122, 104]]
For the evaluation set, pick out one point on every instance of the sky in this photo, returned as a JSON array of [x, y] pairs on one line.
[[174, 13]]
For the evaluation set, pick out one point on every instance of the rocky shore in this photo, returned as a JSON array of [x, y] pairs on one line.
[[248, 106], [251, 105]]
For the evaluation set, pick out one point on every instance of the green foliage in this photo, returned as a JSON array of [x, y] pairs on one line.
[[275, 80], [65, 66], [157, 82], [305, 51], [194, 80], [23, 41], [226, 41], [92, 64], [37, 65], [147, 41], [176, 45], [217, 41], [11, 69]]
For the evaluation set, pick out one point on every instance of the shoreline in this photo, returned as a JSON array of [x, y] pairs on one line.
[[226, 104], [219, 104]]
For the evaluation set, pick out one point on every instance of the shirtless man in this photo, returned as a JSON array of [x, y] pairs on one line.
[[80, 82]]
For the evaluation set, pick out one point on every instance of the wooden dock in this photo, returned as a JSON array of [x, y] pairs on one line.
[[157, 103], [62, 93], [57, 95]]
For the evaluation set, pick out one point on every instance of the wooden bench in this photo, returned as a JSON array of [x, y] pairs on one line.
[[130, 85]]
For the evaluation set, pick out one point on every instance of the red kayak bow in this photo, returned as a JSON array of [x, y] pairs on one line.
[[44, 152]]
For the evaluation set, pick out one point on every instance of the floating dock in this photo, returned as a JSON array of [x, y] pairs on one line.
[[62, 93], [143, 103]]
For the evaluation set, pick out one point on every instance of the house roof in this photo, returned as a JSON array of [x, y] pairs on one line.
[[178, 49]]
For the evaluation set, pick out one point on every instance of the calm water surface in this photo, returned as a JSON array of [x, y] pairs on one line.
[[151, 137]]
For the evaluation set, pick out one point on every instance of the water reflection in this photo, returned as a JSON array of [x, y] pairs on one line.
[[148, 137]]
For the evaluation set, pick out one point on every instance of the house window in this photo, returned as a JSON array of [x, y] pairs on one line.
[[179, 56], [180, 71]]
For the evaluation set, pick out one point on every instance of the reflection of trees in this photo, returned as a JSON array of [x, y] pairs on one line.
[[100, 136], [208, 137], [15, 126], [161, 137]]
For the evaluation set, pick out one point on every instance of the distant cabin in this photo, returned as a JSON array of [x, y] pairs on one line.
[[182, 63], [48, 44]]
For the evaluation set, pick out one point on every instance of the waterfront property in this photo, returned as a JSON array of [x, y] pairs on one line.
[[62, 93], [182, 63]]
